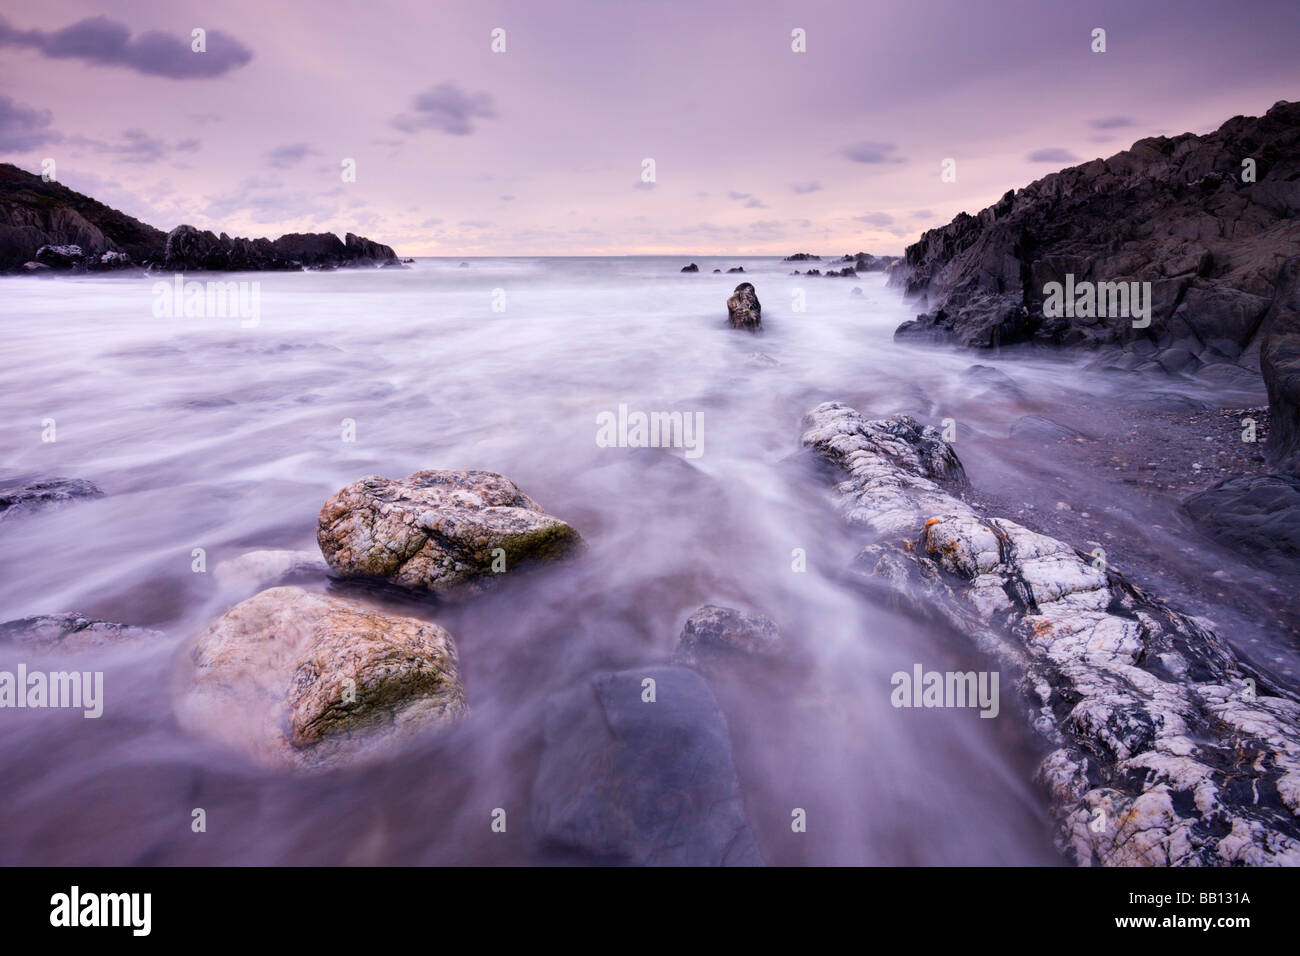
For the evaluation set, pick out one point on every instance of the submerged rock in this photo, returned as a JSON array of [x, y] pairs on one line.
[[21, 496], [1189, 755], [623, 780], [262, 568], [714, 634], [438, 530], [744, 310], [1038, 428], [69, 632], [297, 679], [1258, 515]]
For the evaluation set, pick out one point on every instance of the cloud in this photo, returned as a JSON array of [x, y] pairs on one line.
[[187, 146], [23, 128], [923, 214], [755, 203], [430, 223], [100, 41], [1112, 122], [135, 146], [737, 196], [880, 219], [1053, 154], [868, 151], [447, 109], [283, 157], [804, 188]]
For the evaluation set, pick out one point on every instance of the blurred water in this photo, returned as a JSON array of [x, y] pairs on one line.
[[207, 434]]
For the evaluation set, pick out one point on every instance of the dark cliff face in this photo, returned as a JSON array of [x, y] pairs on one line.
[[40, 221], [34, 213], [1212, 238]]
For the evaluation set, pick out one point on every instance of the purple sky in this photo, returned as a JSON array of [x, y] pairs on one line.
[[538, 151]]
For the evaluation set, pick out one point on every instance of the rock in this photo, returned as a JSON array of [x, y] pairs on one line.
[[691, 268], [259, 569], [189, 249], [1143, 708], [844, 273], [717, 270], [625, 781], [761, 360], [1258, 515], [986, 378], [1171, 211], [437, 530], [59, 257], [802, 257], [69, 632], [1036, 428], [736, 269], [19, 497], [714, 634], [304, 680], [1280, 363], [463, 265], [864, 262], [856, 290], [744, 310]]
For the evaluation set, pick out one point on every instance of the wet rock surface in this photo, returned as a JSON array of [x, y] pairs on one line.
[[622, 780], [744, 310], [1164, 747], [714, 635], [1258, 515], [438, 531], [23, 496], [69, 632], [303, 680]]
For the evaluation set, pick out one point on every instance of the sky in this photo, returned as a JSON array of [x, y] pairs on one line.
[[542, 148]]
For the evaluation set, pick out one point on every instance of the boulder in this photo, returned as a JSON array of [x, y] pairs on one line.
[[623, 780], [1258, 515], [69, 632], [736, 269], [691, 268], [305, 680], [19, 497], [438, 530], [260, 569], [714, 634], [744, 310]]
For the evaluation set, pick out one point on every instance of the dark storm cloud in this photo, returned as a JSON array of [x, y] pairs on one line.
[[446, 108], [104, 42]]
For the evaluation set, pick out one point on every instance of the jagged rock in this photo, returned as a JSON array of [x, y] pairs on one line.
[[1258, 515], [744, 310], [59, 257], [297, 679], [1190, 755], [19, 497], [438, 530], [188, 248], [1172, 211], [69, 632], [802, 257], [714, 634], [626, 781], [691, 268], [864, 262]]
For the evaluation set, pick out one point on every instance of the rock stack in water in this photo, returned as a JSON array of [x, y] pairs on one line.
[[744, 310]]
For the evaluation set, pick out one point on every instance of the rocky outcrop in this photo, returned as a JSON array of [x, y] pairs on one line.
[[1280, 363], [865, 262], [802, 257], [691, 268], [69, 632], [1182, 213], [744, 310], [1258, 515], [36, 214], [626, 778], [303, 680], [438, 531], [1165, 748], [46, 227], [189, 249], [715, 635], [22, 496]]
